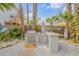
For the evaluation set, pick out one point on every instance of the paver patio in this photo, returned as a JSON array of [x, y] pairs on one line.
[[19, 50]]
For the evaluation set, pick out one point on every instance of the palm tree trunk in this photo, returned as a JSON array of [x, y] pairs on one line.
[[68, 7], [27, 16], [21, 18], [68, 29], [34, 16]]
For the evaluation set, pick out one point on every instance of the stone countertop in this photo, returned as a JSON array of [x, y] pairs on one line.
[[51, 33], [47, 33], [31, 32]]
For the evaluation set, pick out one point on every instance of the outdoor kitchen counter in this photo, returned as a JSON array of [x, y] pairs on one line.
[[53, 41], [52, 33]]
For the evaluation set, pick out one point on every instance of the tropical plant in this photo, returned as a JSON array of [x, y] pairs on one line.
[[76, 15], [31, 23], [6, 6], [38, 28], [12, 34], [74, 40], [68, 18], [51, 20], [16, 33]]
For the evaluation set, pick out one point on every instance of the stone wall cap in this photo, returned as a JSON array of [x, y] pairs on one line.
[[52, 33]]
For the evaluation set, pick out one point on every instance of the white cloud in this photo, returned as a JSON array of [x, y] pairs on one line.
[[64, 9], [54, 5], [30, 15]]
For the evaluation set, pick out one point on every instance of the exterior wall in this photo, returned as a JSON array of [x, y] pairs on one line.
[[13, 22]]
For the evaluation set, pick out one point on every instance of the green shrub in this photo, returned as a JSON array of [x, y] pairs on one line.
[[5, 36], [74, 40], [38, 28], [16, 33], [11, 34]]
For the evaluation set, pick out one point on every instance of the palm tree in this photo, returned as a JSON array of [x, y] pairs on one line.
[[76, 12], [76, 16], [27, 16], [34, 15], [68, 12], [67, 16], [31, 21], [21, 18], [75, 21], [76, 9], [6, 6], [51, 20]]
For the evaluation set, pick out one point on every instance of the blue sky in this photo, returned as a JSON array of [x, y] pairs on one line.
[[45, 10]]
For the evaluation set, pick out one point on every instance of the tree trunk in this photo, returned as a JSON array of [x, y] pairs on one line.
[[68, 11], [27, 17], [34, 16], [21, 18], [68, 29]]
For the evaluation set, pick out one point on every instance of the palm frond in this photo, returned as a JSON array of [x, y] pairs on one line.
[[7, 6]]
